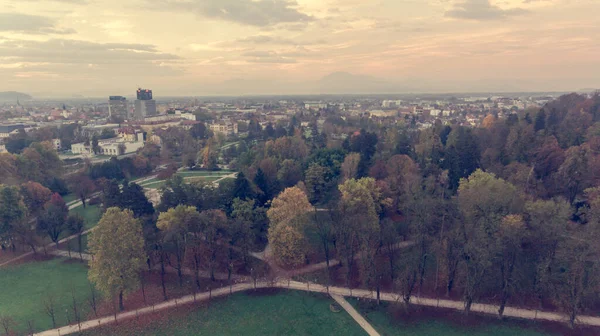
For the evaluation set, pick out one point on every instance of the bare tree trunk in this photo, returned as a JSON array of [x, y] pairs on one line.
[[79, 245], [121, 306], [162, 274], [197, 268]]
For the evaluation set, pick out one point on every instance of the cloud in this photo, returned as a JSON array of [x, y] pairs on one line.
[[267, 57], [62, 51], [275, 40], [75, 2], [482, 10], [30, 24], [262, 13]]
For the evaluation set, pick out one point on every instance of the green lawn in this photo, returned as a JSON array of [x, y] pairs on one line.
[[75, 245], [381, 318], [25, 287], [91, 214], [156, 183], [69, 198], [285, 313], [189, 173]]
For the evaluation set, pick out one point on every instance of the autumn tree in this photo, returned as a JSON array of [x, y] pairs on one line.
[[216, 228], [357, 229], [52, 222], [35, 196], [82, 186], [12, 212], [484, 202], [509, 238], [176, 224], [117, 245], [350, 166], [287, 222], [75, 225]]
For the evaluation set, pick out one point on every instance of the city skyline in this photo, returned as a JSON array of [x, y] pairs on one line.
[[68, 47]]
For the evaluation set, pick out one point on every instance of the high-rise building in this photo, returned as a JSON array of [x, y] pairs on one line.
[[117, 107], [145, 106]]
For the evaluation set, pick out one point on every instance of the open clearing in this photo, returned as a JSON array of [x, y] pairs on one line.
[[391, 320], [249, 313], [29, 284]]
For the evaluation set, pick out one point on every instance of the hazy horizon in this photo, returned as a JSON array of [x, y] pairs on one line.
[[61, 48]]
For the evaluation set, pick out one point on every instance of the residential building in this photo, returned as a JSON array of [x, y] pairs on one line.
[[8, 130], [224, 127], [117, 107], [57, 144]]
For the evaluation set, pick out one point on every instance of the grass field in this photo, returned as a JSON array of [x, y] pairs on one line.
[[26, 286], [91, 214], [156, 183], [69, 198], [284, 313], [382, 319]]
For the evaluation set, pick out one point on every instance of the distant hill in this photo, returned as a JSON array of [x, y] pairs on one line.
[[13, 96]]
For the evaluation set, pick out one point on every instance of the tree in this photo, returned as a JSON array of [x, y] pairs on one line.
[[288, 244], [176, 224], [53, 220], [134, 199], [216, 227], [242, 188], [82, 186], [289, 205], [244, 220], [540, 121], [350, 166], [12, 211], [289, 174], [576, 171], [288, 221], [76, 225], [357, 229], [208, 158], [200, 132], [317, 183], [510, 238], [547, 222], [117, 245], [35, 196], [111, 194], [484, 202]]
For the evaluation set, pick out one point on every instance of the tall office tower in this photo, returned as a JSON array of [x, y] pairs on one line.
[[145, 106], [117, 107]]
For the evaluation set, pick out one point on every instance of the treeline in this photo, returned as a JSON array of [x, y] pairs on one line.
[[501, 209]]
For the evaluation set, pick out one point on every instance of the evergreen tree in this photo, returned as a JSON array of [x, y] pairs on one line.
[[540, 121], [133, 198], [242, 188], [263, 184]]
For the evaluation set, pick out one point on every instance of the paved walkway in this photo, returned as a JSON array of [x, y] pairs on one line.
[[340, 291], [355, 315]]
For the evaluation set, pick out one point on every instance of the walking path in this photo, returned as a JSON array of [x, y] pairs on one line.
[[308, 287], [355, 315], [185, 271], [267, 256]]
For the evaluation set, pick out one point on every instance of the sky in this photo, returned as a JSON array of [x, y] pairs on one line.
[[238, 47]]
